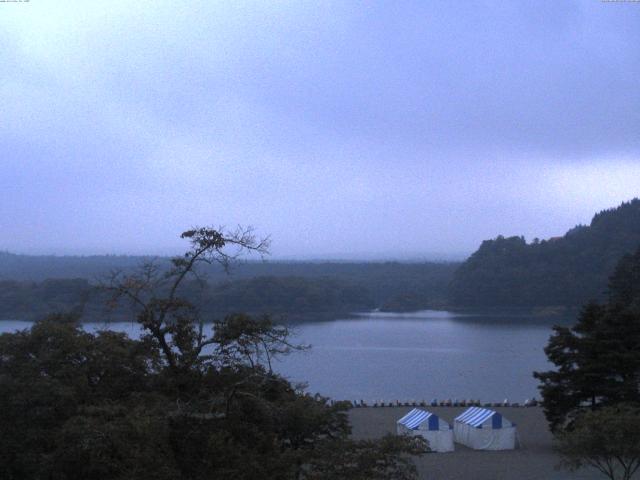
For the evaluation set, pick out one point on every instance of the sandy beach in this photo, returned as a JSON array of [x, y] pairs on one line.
[[534, 459]]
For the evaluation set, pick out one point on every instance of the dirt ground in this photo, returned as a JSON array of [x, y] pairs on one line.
[[533, 460]]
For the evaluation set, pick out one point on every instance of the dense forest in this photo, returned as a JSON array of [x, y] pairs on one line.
[[505, 272], [565, 271], [293, 291], [178, 403], [597, 360]]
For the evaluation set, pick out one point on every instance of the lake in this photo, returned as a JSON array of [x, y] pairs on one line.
[[416, 356]]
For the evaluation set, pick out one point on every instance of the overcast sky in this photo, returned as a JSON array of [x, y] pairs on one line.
[[342, 129]]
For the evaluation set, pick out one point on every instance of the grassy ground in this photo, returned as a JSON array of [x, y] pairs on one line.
[[534, 460]]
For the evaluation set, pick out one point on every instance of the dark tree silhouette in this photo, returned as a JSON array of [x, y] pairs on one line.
[[597, 360], [607, 440], [179, 403], [562, 271]]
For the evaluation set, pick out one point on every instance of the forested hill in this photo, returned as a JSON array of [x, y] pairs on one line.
[[32, 286], [568, 270]]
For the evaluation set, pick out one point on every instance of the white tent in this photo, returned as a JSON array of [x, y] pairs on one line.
[[426, 424], [483, 429]]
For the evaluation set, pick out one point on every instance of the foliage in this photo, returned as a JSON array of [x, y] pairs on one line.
[[411, 302], [293, 298], [33, 300], [56, 378], [257, 286], [597, 360], [607, 439], [366, 459], [181, 402], [569, 270], [308, 295]]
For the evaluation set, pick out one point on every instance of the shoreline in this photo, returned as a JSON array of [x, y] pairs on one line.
[[527, 403], [543, 312], [535, 459]]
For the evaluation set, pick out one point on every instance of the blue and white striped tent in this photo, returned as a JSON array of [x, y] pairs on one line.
[[436, 431], [484, 429], [477, 416]]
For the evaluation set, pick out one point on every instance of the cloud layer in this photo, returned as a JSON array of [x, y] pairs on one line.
[[342, 129]]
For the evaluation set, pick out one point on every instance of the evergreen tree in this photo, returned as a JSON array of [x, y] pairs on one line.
[[597, 360], [562, 271]]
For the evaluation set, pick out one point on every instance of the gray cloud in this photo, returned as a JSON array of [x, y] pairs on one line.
[[387, 129]]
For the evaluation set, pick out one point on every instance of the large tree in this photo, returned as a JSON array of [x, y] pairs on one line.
[[607, 439], [185, 401], [598, 359]]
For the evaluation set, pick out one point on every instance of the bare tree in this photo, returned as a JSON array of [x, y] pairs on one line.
[[169, 319]]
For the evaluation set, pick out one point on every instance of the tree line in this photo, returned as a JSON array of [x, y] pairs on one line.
[[505, 272], [183, 402], [565, 271], [317, 291], [592, 397], [286, 298]]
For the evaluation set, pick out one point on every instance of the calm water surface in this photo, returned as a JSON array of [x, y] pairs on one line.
[[421, 355]]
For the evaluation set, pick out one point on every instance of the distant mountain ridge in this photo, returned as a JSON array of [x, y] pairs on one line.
[[32, 286], [566, 271], [37, 268]]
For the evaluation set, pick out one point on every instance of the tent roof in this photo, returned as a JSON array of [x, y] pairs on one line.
[[475, 416], [415, 417]]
